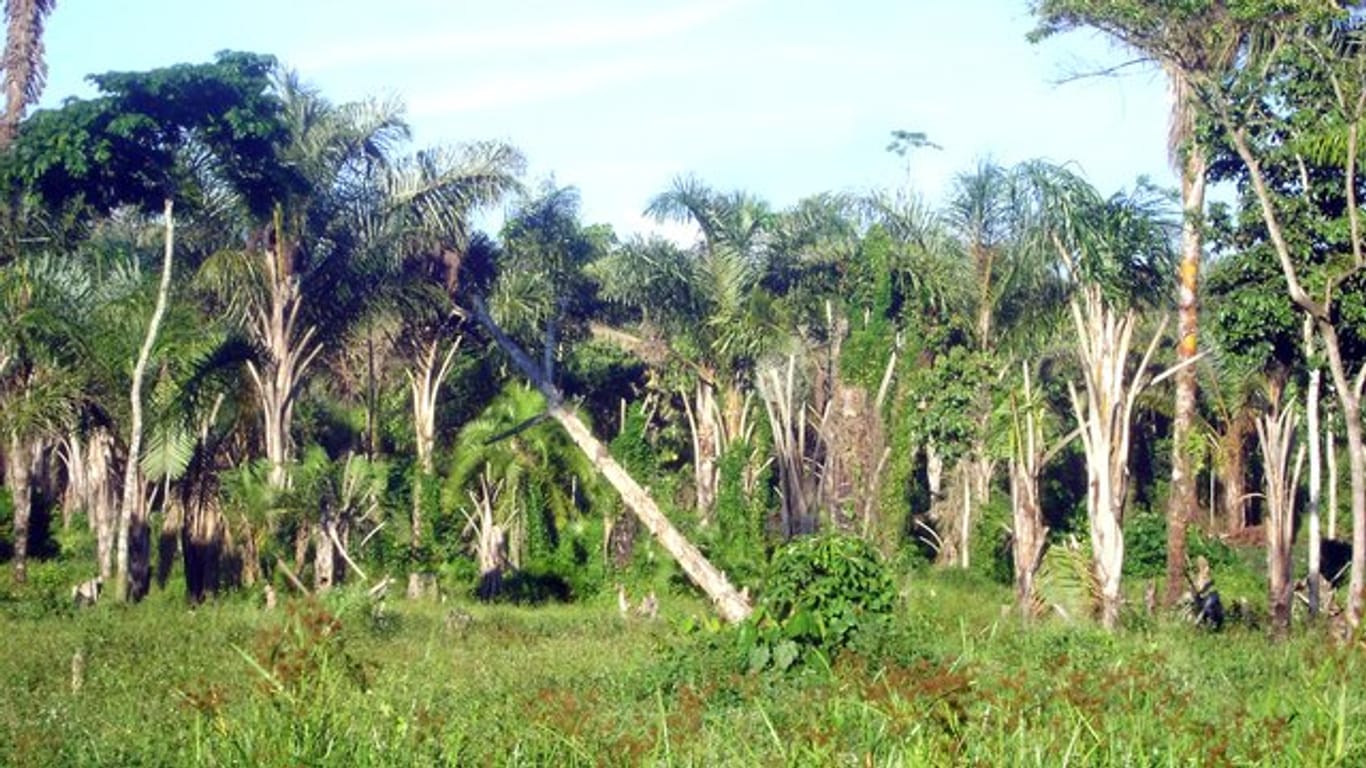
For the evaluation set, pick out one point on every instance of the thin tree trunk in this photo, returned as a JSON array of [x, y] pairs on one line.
[[730, 604], [132, 549], [1332, 449], [1181, 503], [1234, 473], [1315, 488], [19, 478]]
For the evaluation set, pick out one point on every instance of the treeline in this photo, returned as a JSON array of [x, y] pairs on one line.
[[253, 339]]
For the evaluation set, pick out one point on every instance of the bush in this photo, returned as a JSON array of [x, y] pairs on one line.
[[820, 592]]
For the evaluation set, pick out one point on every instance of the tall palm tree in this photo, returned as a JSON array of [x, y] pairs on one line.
[[730, 259], [274, 283], [418, 223], [23, 71], [1190, 42]]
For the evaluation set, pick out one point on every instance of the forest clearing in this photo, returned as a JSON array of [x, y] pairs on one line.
[[301, 466]]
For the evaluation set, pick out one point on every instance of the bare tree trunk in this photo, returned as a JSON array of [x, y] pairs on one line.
[[77, 493], [787, 422], [133, 567], [1105, 418], [490, 539], [1276, 435], [731, 605], [1181, 503], [1234, 473], [19, 461], [424, 383], [1332, 448], [288, 355], [704, 421], [945, 505], [1315, 488], [1028, 457], [324, 553], [103, 509]]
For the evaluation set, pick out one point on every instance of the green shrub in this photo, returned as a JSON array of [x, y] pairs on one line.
[[821, 591]]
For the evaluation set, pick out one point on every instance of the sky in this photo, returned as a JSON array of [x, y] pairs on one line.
[[781, 98]]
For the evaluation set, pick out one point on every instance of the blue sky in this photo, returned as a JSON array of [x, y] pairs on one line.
[[784, 98]]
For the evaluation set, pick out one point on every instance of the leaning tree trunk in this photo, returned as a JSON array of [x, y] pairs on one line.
[[1181, 503], [731, 604], [1276, 435], [133, 544]]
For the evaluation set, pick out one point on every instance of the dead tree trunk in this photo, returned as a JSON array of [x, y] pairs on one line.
[[424, 383], [1276, 435], [730, 604], [288, 353], [1029, 455], [1105, 417]]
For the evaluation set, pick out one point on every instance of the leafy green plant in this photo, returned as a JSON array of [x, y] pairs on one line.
[[821, 591]]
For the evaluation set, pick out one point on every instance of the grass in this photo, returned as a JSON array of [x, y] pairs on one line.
[[951, 682]]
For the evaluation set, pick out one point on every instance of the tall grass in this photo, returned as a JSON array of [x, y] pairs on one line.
[[952, 681]]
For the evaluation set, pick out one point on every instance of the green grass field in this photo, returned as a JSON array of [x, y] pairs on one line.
[[951, 682]]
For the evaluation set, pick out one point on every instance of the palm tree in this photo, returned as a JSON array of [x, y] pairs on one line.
[[419, 224], [1191, 43], [1111, 251], [41, 301], [24, 70], [524, 481], [730, 330]]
